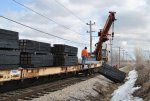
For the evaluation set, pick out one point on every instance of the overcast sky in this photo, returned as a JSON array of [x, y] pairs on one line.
[[131, 28]]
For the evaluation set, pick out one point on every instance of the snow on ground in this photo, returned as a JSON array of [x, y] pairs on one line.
[[124, 92], [76, 92]]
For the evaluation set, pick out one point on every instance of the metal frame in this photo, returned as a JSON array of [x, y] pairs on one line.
[[23, 73]]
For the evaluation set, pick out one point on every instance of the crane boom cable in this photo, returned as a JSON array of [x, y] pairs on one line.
[[61, 25], [41, 30]]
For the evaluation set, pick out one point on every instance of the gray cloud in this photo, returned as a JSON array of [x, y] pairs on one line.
[[132, 25]]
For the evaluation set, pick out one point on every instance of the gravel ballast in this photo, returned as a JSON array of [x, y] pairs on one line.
[[79, 91], [98, 88]]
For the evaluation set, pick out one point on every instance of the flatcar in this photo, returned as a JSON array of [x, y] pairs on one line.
[[27, 62]]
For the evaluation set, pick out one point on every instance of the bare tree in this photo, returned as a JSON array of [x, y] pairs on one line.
[[139, 56]]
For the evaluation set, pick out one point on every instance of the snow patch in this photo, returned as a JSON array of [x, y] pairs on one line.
[[124, 92]]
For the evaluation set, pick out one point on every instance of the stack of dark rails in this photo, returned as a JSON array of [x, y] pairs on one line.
[[65, 55], [16, 53], [9, 49], [35, 54], [112, 73]]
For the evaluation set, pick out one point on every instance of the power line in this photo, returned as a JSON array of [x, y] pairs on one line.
[[69, 11], [46, 17], [40, 30]]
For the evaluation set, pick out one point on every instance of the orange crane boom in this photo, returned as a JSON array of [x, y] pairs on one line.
[[103, 34]]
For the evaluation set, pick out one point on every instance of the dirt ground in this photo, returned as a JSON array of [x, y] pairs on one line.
[[143, 81], [101, 88], [104, 93], [95, 89]]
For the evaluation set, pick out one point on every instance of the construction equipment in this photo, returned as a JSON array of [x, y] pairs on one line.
[[103, 34], [102, 54]]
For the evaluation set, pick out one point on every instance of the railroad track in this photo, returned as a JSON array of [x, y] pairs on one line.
[[30, 93]]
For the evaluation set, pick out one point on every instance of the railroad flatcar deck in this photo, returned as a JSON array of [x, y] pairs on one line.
[[24, 73]]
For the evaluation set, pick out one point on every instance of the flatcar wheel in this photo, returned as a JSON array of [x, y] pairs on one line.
[[86, 72], [76, 73]]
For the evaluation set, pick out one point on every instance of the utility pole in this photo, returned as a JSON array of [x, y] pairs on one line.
[[119, 48], [111, 62], [111, 42], [123, 57], [119, 57], [90, 24], [126, 57]]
